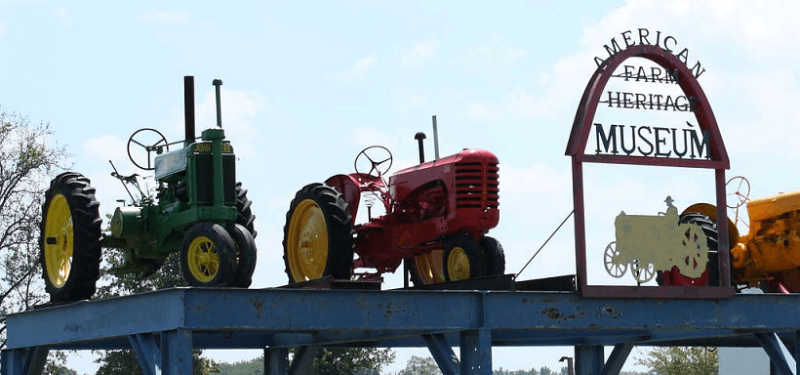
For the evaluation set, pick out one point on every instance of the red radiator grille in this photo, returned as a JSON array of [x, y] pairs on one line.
[[477, 185]]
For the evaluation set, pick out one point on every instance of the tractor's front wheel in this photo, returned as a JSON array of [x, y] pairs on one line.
[[70, 242], [245, 251], [463, 258], [208, 255], [495, 256], [318, 235]]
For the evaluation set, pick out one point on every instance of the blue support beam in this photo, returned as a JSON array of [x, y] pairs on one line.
[[589, 359], [617, 358], [176, 352], [147, 352], [24, 361], [303, 357], [443, 354], [476, 352], [170, 323], [276, 361], [797, 352], [774, 349]]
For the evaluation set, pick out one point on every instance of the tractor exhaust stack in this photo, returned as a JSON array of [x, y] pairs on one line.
[[217, 83], [435, 140], [188, 107], [419, 137]]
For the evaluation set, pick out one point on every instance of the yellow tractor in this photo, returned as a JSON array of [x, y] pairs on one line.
[[768, 256]]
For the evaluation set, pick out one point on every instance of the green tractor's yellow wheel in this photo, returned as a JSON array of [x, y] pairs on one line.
[[203, 259], [58, 245], [318, 235], [427, 268], [208, 255], [70, 238], [463, 258]]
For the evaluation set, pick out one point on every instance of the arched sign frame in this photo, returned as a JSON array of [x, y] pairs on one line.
[[718, 161]]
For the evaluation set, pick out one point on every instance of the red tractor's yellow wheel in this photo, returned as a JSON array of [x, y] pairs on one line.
[[307, 248], [318, 235], [70, 238], [463, 258], [427, 268]]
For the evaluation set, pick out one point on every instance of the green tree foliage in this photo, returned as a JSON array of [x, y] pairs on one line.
[[351, 361], [252, 367], [682, 361], [28, 158], [502, 371], [124, 362], [421, 366]]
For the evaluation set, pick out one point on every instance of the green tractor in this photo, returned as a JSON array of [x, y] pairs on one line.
[[198, 210]]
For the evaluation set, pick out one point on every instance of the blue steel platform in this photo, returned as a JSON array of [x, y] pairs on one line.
[[162, 327]]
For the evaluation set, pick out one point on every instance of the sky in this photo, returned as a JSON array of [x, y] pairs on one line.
[[308, 85]]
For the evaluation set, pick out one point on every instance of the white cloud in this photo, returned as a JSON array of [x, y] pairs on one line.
[[494, 53], [63, 16], [167, 18], [3, 27], [359, 68], [517, 105], [420, 52], [239, 108], [413, 102]]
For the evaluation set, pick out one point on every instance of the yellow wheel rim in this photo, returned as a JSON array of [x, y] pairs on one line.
[[58, 241], [458, 264], [429, 267], [307, 242], [202, 259]]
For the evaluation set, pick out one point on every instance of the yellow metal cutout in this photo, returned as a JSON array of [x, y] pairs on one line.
[[656, 243]]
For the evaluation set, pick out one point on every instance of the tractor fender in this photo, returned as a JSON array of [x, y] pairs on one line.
[[350, 189]]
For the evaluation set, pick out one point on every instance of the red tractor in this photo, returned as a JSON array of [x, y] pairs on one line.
[[436, 217]]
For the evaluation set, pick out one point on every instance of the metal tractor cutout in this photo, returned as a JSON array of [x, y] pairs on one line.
[[657, 243], [436, 218]]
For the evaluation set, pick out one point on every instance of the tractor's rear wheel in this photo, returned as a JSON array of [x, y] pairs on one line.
[[244, 215], [427, 268], [463, 258], [246, 253], [70, 238], [208, 255], [318, 235], [710, 276], [495, 256]]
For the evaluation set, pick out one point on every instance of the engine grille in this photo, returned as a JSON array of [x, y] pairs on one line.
[[477, 185]]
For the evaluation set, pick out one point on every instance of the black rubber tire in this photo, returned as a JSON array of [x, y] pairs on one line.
[[225, 250], [339, 225], [495, 256], [86, 237], [246, 254], [244, 215], [477, 263], [710, 229]]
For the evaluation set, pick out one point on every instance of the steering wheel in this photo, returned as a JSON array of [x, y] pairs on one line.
[[741, 193], [376, 155], [154, 138]]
